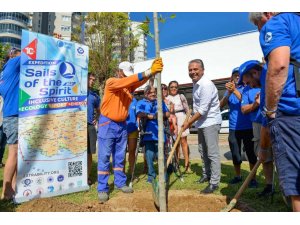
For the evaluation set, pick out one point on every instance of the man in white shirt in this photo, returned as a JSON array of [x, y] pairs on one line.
[[206, 107]]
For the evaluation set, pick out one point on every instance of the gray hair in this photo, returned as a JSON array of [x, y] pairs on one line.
[[254, 17], [199, 61], [147, 89]]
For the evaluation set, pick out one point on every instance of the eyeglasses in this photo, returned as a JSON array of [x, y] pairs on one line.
[[173, 87], [164, 88]]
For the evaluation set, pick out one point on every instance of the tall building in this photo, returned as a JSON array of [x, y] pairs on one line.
[[139, 54], [53, 22], [11, 25]]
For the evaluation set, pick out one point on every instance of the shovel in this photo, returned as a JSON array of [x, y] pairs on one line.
[[155, 186], [233, 202]]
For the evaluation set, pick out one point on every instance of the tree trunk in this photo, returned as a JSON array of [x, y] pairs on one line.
[[161, 157]]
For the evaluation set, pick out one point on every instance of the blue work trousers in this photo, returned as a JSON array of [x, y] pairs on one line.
[[112, 140]]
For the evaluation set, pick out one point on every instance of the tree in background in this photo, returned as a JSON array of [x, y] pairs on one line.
[[3, 53], [110, 41]]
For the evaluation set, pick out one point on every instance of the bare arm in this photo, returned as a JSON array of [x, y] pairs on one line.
[[276, 78]]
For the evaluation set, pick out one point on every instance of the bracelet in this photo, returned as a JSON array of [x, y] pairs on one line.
[[148, 73], [264, 150]]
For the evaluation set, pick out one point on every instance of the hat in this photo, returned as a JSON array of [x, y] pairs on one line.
[[235, 70], [245, 67], [127, 68]]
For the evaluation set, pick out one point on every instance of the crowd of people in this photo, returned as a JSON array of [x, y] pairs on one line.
[[264, 108]]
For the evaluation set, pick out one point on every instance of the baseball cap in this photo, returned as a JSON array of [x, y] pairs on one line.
[[235, 70], [245, 67], [127, 68]]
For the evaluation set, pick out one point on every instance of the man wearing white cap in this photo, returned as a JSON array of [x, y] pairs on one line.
[[112, 132]]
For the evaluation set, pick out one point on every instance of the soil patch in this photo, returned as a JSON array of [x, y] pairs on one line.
[[139, 201]]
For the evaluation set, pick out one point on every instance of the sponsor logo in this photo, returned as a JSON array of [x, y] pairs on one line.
[[40, 191], [80, 50], [268, 37], [50, 179], [50, 188], [30, 49], [67, 70], [40, 180], [60, 187], [27, 182], [79, 183], [60, 44], [27, 193], [60, 178]]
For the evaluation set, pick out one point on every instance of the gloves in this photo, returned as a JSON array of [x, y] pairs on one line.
[[157, 66]]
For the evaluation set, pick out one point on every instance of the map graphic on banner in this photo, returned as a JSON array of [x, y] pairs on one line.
[[52, 152]]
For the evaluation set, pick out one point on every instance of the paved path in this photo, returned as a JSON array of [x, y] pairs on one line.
[[223, 145]]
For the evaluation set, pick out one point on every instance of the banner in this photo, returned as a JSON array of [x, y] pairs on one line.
[[52, 152]]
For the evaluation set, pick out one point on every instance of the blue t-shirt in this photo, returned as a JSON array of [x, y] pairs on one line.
[[93, 102], [150, 107], [248, 97], [284, 30], [263, 93], [131, 119], [237, 120], [9, 87]]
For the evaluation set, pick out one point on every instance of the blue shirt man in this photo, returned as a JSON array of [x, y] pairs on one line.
[[9, 87], [9, 90], [280, 42], [131, 119], [147, 109], [93, 102]]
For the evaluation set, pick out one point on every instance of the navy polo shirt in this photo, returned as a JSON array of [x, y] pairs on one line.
[[93, 102], [131, 119]]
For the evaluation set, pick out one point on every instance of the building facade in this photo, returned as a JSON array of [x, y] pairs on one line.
[[53, 22], [11, 25]]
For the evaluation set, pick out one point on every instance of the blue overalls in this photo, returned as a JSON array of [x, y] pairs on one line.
[[112, 140]]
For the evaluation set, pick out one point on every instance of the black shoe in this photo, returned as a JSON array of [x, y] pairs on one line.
[[203, 180], [210, 189], [266, 192], [253, 184], [236, 180]]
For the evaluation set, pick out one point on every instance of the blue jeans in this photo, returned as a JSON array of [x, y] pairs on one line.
[[112, 140], [2, 143], [151, 149], [10, 128], [285, 135]]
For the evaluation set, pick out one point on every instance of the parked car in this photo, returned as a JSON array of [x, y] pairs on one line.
[[224, 126], [225, 122]]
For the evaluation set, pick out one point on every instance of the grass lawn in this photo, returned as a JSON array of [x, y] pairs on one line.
[[248, 196]]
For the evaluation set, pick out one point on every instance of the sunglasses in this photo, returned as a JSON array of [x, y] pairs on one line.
[[173, 87], [164, 88]]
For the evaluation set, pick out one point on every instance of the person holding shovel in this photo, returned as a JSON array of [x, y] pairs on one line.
[[206, 107], [112, 131], [280, 43]]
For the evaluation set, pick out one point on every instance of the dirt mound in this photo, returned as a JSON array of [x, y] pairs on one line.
[[139, 201]]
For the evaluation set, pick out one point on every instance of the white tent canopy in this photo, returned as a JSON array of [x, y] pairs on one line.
[[219, 56]]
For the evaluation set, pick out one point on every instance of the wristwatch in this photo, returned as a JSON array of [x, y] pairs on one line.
[[266, 112]]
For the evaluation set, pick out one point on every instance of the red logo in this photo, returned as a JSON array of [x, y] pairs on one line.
[[30, 50]]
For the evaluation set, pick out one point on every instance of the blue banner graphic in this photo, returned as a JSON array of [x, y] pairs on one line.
[[52, 154]]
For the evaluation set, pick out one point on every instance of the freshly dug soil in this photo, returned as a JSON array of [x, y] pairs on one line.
[[139, 201]]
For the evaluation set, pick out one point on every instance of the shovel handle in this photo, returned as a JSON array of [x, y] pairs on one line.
[[233, 202], [178, 139]]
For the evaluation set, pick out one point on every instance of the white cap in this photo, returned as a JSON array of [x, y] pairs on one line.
[[127, 68]]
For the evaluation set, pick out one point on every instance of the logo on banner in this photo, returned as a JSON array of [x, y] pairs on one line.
[[30, 50], [67, 70], [60, 178], [80, 50], [27, 193]]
